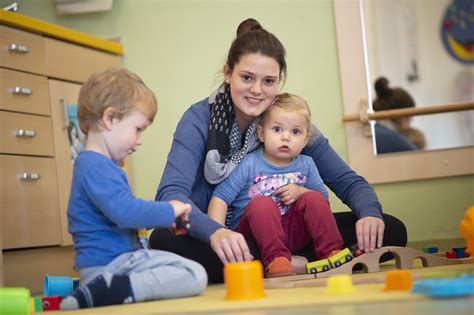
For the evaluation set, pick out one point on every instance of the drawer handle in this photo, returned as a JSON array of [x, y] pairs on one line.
[[25, 133], [21, 90], [18, 48], [29, 176]]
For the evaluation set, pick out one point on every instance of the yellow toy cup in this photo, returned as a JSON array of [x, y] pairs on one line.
[[244, 280], [339, 285], [14, 301]]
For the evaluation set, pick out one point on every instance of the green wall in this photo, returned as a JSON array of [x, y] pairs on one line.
[[179, 47]]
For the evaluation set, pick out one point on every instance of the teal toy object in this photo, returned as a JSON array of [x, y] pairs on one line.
[[446, 288], [57, 286]]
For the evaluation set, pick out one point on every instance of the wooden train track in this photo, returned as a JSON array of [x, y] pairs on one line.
[[370, 263]]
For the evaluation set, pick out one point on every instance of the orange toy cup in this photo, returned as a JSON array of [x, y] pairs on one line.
[[398, 280], [467, 230], [244, 280]]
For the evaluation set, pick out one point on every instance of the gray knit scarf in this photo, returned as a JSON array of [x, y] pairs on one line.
[[224, 149]]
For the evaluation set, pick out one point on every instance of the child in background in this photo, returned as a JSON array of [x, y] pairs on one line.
[[277, 195], [115, 107]]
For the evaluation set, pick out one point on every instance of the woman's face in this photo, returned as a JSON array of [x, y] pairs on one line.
[[253, 83]]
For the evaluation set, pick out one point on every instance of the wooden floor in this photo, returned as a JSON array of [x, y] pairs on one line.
[[368, 299]]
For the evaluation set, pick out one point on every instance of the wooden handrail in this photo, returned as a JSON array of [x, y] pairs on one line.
[[415, 111]]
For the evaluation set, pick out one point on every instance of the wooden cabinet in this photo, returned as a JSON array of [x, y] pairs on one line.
[[63, 94], [22, 50], [41, 72]]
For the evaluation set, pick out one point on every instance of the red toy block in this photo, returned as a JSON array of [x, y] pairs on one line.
[[450, 254], [51, 303]]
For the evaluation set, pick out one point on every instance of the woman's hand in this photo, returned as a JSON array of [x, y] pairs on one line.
[[288, 194], [230, 246], [369, 232]]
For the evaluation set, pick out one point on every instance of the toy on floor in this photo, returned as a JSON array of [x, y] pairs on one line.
[[75, 283], [14, 301], [450, 254], [37, 305], [398, 280], [318, 266], [51, 303], [457, 252], [446, 288], [430, 250], [340, 258], [404, 258], [58, 285], [244, 280], [345, 255], [339, 285], [467, 230]]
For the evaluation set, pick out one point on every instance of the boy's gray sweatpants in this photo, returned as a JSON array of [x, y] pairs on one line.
[[154, 274]]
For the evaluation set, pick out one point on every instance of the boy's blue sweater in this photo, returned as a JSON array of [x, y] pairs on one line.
[[103, 215]]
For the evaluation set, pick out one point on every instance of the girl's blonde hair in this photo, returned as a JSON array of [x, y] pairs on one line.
[[290, 102], [117, 88]]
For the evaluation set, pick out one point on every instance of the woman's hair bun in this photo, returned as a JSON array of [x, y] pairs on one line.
[[390, 98], [248, 25], [381, 88]]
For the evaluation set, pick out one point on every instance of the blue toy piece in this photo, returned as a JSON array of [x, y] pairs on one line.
[[459, 251], [430, 250], [445, 288]]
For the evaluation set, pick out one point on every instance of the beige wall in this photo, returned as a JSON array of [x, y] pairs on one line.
[[179, 47]]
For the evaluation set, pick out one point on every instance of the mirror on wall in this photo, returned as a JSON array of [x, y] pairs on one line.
[[420, 53]]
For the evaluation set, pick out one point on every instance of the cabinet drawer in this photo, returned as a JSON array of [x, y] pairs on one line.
[[75, 63], [26, 134], [22, 50], [29, 209], [22, 92]]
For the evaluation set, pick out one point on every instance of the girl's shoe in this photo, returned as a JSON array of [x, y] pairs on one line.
[[279, 267]]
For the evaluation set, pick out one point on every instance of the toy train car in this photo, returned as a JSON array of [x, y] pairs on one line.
[[318, 266], [334, 261]]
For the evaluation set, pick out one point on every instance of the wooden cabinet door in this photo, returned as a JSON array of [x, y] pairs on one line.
[[29, 211], [63, 96], [22, 50], [1, 258], [76, 63]]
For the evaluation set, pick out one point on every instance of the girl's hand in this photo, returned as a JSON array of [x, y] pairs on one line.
[[181, 209], [288, 194], [369, 232]]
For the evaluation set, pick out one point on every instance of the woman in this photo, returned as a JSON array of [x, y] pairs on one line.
[[397, 134], [213, 136]]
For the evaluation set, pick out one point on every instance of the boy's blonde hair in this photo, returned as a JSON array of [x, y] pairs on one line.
[[290, 102], [117, 88]]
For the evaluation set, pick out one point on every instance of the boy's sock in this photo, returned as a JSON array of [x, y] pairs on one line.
[[106, 289]]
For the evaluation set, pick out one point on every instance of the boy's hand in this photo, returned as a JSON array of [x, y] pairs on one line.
[[181, 209], [288, 194]]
